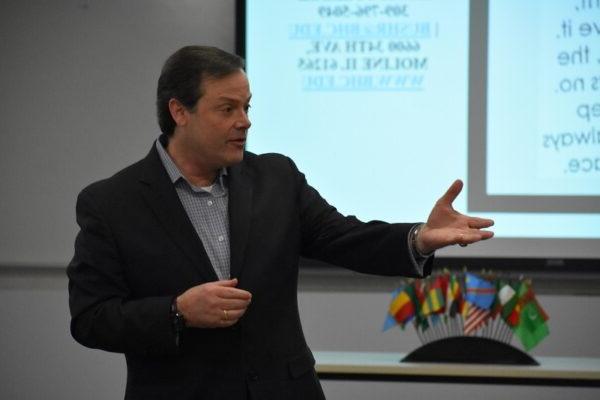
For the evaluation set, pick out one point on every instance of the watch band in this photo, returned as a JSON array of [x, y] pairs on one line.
[[413, 241], [177, 321]]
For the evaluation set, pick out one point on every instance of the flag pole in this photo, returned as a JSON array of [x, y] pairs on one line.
[[419, 335]]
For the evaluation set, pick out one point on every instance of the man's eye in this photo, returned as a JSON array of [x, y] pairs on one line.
[[247, 108], [227, 109]]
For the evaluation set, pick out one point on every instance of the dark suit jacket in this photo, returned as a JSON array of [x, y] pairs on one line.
[[137, 249]]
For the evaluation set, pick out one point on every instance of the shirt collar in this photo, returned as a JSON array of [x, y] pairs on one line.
[[175, 174]]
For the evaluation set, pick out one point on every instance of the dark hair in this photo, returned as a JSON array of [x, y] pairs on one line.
[[182, 75]]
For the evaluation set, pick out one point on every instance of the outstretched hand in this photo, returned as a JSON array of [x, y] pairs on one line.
[[446, 226]]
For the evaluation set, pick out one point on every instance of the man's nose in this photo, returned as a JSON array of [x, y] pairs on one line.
[[244, 121]]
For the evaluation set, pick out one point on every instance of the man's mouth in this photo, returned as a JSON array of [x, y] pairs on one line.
[[239, 142]]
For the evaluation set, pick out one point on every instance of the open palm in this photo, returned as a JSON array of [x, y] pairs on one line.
[[445, 226]]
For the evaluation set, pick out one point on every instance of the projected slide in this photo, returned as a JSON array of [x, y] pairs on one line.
[[383, 103], [542, 142], [360, 94]]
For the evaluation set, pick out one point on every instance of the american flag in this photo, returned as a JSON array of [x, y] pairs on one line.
[[476, 317]]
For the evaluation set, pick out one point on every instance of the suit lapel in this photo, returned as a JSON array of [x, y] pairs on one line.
[[160, 194], [240, 206]]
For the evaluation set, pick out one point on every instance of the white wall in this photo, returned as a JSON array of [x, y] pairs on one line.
[[78, 87]]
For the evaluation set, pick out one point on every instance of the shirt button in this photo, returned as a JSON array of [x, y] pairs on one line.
[[209, 202], [221, 238]]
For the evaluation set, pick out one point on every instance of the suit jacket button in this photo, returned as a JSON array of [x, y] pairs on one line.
[[253, 376]]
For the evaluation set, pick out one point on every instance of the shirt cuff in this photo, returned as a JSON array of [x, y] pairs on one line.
[[418, 260]]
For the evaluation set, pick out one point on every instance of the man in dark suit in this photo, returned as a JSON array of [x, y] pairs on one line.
[[187, 261]]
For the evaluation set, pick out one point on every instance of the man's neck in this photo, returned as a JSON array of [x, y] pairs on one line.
[[192, 169]]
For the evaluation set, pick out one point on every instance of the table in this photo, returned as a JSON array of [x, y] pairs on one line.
[[379, 366]]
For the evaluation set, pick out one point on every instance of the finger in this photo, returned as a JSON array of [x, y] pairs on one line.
[[235, 304], [465, 238], [227, 319], [479, 223], [485, 235], [234, 315], [233, 293], [225, 323], [452, 192], [227, 282]]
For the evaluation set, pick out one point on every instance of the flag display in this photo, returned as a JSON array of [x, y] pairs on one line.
[[467, 304]]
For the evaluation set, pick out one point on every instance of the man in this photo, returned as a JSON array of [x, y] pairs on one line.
[[187, 261]]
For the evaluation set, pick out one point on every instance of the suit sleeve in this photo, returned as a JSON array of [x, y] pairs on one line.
[[374, 247], [103, 315]]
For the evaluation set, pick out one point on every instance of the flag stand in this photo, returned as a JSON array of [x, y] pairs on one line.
[[470, 350]]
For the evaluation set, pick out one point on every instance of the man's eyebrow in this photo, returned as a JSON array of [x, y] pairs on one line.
[[233, 99]]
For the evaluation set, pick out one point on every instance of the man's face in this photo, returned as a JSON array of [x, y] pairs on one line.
[[216, 130]]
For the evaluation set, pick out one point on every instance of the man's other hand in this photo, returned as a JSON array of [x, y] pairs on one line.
[[213, 305]]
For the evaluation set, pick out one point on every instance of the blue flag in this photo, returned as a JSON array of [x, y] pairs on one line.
[[479, 291]]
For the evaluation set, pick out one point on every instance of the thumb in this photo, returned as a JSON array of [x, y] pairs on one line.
[[452, 192], [227, 283]]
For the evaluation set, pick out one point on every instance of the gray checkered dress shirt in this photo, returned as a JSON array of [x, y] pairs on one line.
[[207, 210]]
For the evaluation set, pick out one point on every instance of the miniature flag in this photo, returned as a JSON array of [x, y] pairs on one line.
[[434, 302], [476, 317], [508, 299], [443, 281], [419, 300], [390, 321], [454, 300], [506, 294], [496, 307], [521, 297], [528, 319], [532, 328], [530, 296], [402, 307], [480, 292]]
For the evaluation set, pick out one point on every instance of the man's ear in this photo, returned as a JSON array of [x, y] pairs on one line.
[[178, 112]]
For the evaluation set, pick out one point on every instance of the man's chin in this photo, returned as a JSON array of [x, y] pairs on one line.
[[235, 158]]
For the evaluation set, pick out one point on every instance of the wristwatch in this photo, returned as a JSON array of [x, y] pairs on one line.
[[177, 321], [413, 241]]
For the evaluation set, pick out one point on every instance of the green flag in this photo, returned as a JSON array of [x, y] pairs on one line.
[[532, 328]]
